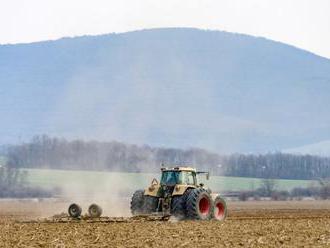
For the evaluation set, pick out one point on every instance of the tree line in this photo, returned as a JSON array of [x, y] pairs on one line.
[[277, 165], [268, 188], [59, 153]]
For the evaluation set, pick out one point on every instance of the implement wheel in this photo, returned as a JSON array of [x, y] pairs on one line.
[[220, 209], [74, 210], [94, 211]]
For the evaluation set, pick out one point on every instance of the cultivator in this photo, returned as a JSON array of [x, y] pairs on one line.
[[91, 217], [94, 215]]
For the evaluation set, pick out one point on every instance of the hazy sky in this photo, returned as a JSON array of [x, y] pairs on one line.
[[303, 23]]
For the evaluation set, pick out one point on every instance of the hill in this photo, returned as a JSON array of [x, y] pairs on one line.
[[318, 149], [167, 87]]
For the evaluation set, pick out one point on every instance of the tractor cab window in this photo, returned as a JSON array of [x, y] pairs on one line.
[[188, 177], [170, 178]]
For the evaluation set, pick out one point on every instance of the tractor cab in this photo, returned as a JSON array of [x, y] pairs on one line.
[[186, 176], [174, 176], [175, 181]]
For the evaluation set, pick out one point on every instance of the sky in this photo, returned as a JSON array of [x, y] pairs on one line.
[[302, 23]]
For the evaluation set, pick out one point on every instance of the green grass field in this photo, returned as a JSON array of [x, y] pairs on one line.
[[131, 181], [2, 160]]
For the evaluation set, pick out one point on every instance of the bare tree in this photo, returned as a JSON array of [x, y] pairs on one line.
[[324, 188], [268, 187]]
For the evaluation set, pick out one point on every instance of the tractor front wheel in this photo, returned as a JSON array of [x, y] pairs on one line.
[[219, 209]]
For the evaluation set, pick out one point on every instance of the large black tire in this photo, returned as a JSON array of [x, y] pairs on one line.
[[199, 204], [74, 210], [137, 202], [150, 204], [94, 211], [177, 208], [219, 209], [178, 205]]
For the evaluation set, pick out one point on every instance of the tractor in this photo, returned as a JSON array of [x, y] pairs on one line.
[[179, 194]]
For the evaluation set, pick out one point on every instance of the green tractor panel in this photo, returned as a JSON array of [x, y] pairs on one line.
[[179, 194]]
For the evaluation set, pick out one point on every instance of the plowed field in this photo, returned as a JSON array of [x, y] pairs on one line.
[[249, 224]]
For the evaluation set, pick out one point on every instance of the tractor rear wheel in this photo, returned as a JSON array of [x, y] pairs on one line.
[[199, 204], [150, 204], [178, 208], [74, 210], [219, 209], [94, 211], [137, 202]]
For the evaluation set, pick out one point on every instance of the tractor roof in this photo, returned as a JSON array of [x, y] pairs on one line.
[[178, 168]]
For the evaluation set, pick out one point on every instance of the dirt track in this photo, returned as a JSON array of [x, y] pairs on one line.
[[250, 224]]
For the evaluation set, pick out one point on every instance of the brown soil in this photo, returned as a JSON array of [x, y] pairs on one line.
[[249, 224]]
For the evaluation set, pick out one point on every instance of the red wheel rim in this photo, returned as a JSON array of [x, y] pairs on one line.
[[204, 206], [219, 211]]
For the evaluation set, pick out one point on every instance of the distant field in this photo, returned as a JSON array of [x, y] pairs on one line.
[[104, 181], [2, 160]]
